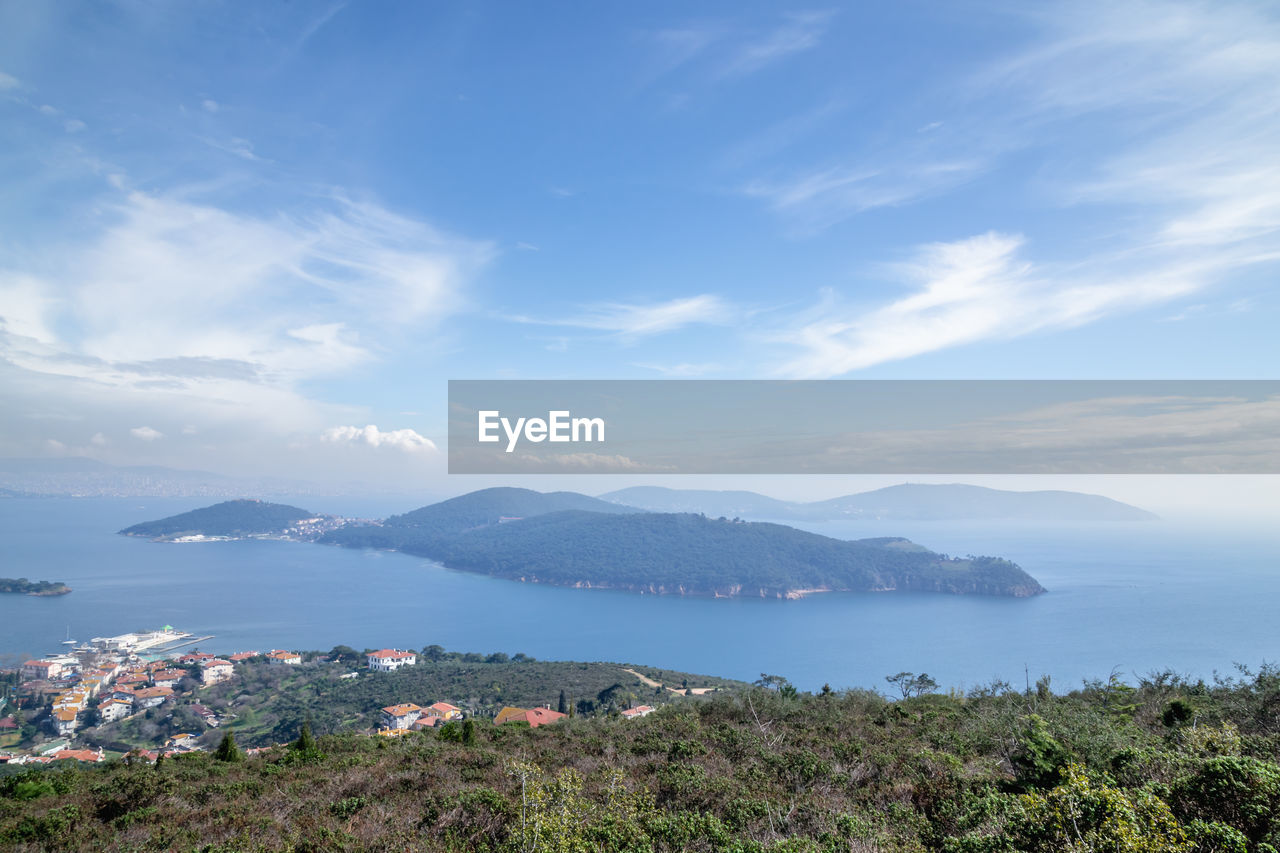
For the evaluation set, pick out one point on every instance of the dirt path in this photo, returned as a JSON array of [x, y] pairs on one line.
[[697, 691]]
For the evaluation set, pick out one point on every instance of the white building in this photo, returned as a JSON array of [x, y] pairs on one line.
[[400, 716], [215, 671], [389, 660], [110, 710]]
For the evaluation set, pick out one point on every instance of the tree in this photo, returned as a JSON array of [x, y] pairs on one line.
[[434, 653], [563, 706], [344, 654], [909, 684], [227, 750], [469, 732]]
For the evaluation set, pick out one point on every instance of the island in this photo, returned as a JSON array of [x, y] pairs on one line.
[[570, 539], [22, 586], [238, 519]]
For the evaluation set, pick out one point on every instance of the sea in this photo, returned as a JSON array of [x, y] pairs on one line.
[[1129, 599]]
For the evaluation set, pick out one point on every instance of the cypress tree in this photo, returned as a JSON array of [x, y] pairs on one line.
[[564, 703], [227, 750]]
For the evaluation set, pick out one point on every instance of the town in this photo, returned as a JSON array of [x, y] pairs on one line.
[[59, 706]]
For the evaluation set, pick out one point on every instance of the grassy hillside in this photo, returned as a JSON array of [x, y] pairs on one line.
[[1168, 767]]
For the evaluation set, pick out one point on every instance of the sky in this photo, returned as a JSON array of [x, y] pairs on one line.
[[260, 238]]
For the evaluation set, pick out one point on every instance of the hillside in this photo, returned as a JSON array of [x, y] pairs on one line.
[[229, 518], [271, 703], [1169, 766], [907, 502]]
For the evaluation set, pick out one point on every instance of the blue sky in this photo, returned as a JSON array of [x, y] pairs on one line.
[[257, 237]]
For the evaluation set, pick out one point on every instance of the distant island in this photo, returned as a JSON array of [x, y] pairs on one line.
[[22, 586], [569, 539], [906, 502], [238, 519]]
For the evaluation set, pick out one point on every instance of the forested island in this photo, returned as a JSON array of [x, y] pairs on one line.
[[237, 519], [22, 586], [569, 539]]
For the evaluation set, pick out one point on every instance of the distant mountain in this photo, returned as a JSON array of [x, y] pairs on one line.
[[908, 502], [925, 502], [714, 503], [229, 518], [570, 539]]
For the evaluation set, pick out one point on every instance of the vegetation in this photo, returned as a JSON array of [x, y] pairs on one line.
[[229, 518], [26, 587], [692, 555], [764, 768], [270, 704]]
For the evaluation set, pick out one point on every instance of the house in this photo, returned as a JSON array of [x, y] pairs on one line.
[[87, 755], [196, 657], [216, 670], [150, 697], [389, 660], [400, 716], [242, 656], [181, 741], [42, 670], [167, 677], [209, 716], [65, 722], [276, 657], [533, 716], [638, 712], [445, 711], [110, 710]]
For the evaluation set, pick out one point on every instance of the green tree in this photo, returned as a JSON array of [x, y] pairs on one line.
[[563, 706], [227, 750]]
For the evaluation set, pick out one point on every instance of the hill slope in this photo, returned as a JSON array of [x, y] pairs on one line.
[[229, 518]]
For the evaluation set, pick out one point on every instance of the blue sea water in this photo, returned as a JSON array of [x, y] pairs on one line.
[[1133, 598]]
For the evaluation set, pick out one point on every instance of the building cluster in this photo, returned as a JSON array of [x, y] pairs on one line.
[[110, 676], [408, 717]]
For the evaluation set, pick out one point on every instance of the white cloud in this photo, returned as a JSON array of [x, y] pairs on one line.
[[73, 125], [1180, 191], [8, 81], [801, 32], [99, 440], [401, 439], [965, 291], [634, 321], [209, 105], [146, 433]]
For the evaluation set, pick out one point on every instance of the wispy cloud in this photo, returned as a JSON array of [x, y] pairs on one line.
[[799, 32], [193, 313], [145, 433], [635, 321], [1184, 96], [8, 81], [965, 291]]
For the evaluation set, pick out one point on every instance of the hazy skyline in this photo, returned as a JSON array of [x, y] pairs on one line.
[[259, 239]]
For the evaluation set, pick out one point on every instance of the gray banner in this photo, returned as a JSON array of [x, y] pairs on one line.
[[864, 427]]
